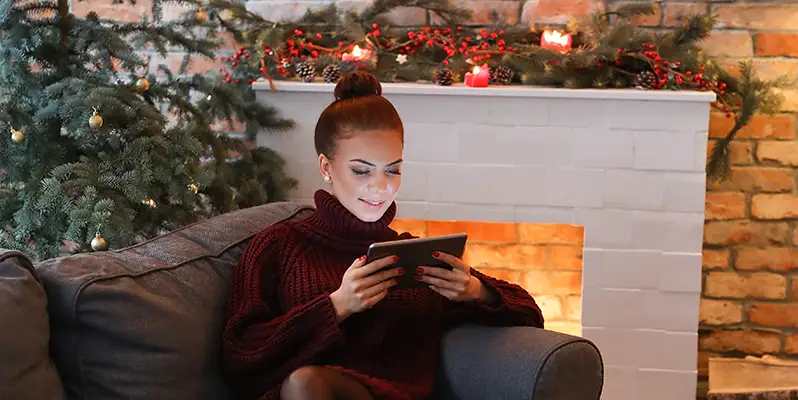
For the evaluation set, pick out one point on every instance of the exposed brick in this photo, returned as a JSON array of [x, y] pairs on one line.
[[553, 282], [774, 206], [728, 44], [416, 227], [752, 233], [760, 285], [776, 44], [715, 259], [551, 233], [720, 312], [774, 314], [756, 179], [550, 306], [778, 126], [677, 13], [565, 257], [756, 17], [508, 11], [770, 68], [790, 103], [572, 308], [513, 256], [778, 152], [406, 16], [750, 342], [770, 258], [740, 152], [118, 12], [791, 344], [725, 205], [496, 232], [507, 275], [556, 11], [794, 288], [795, 237]]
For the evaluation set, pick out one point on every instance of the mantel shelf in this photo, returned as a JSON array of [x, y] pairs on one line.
[[501, 91]]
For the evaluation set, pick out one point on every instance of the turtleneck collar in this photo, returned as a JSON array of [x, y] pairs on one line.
[[333, 223]]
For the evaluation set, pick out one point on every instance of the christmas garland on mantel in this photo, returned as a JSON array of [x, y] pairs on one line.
[[607, 51]]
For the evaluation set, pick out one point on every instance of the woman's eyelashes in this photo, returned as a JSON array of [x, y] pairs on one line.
[[363, 172]]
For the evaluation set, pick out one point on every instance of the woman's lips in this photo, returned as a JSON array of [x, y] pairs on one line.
[[372, 203]]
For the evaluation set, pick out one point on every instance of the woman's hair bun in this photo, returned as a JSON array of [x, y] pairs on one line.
[[357, 84]]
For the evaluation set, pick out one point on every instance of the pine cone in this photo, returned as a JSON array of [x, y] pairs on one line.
[[331, 73], [444, 76], [501, 75], [306, 71], [645, 80]]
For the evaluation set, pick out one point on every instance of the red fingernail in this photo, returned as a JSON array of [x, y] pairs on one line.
[[395, 258], [401, 272], [436, 254], [419, 269], [418, 277], [362, 258]]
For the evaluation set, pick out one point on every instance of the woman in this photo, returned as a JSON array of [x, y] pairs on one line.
[[305, 321]]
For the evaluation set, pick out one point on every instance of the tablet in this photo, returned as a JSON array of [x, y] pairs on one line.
[[417, 252]]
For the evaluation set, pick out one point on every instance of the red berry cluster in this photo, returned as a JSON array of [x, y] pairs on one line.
[[478, 47], [234, 61]]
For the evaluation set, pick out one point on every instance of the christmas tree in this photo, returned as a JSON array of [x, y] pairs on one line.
[[101, 150]]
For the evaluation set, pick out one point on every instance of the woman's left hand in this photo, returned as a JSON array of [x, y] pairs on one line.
[[457, 284]]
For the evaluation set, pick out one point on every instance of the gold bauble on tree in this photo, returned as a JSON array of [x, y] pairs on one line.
[[99, 243], [17, 136], [194, 188], [201, 16], [142, 85], [95, 121]]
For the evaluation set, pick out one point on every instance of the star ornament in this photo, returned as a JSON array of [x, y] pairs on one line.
[[401, 59]]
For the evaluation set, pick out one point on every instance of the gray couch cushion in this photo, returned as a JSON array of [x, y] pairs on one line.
[[145, 322], [26, 371]]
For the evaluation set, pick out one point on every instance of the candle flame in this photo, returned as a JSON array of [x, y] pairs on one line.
[[356, 51], [476, 69], [555, 37]]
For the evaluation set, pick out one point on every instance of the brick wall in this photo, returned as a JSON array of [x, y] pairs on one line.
[[750, 301], [545, 259]]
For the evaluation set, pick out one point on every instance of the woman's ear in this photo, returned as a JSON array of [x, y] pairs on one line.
[[324, 168]]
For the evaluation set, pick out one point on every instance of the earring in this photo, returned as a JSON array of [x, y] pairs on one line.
[[327, 178]]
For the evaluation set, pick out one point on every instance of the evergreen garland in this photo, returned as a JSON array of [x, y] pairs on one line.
[[608, 51]]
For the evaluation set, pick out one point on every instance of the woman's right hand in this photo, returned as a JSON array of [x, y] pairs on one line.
[[362, 286]]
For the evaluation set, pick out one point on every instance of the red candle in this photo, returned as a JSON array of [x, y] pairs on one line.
[[554, 40], [479, 78]]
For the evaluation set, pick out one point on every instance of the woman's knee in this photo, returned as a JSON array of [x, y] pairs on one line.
[[307, 383]]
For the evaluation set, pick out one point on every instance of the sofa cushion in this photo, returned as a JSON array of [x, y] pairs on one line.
[[145, 322], [26, 371]]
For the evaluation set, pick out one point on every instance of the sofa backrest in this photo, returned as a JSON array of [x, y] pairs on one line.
[[145, 322], [26, 371]]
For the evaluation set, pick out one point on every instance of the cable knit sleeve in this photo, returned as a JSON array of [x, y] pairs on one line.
[[511, 306], [261, 343]]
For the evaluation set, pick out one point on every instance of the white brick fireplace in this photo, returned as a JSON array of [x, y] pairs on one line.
[[627, 165]]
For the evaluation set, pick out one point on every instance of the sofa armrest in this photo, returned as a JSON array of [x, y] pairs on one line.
[[518, 363]]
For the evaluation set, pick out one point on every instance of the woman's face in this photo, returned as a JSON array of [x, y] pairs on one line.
[[365, 172]]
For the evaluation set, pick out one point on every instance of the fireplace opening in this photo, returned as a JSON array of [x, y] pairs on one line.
[[544, 259]]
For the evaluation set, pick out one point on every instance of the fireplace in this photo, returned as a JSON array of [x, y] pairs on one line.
[[593, 200]]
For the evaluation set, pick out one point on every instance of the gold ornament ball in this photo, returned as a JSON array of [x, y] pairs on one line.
[[201, 16], [194, 188], [96, 121], [142, 85], [98, 243], [17, 136]]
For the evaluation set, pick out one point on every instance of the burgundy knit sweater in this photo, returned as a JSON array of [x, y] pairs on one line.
[[280, 316]]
